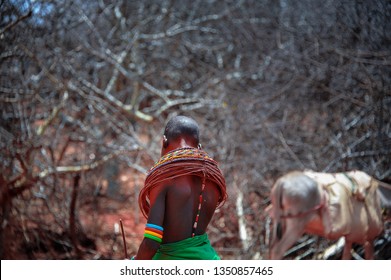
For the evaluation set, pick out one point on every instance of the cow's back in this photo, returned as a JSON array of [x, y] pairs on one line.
[[353, 208]]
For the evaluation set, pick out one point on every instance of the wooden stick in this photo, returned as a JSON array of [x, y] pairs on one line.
[[123, 238]]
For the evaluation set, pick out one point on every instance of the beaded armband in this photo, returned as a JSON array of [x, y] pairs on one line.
[[154, 232]]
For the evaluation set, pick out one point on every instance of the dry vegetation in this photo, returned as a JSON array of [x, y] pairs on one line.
[[86, 87]]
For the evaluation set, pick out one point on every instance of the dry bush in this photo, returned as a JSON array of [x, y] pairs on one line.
[[87, 86]]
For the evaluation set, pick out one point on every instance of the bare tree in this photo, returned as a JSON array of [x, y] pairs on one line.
[[86, 86]]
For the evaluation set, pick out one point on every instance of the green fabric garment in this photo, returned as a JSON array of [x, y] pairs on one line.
[[195, 248]]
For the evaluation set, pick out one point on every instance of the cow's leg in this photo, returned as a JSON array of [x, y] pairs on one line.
[[346, 255], [368, 246], [291, 232]]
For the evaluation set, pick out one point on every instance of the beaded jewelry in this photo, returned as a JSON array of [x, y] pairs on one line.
[[199, 208], [183, 162], [154, 232]]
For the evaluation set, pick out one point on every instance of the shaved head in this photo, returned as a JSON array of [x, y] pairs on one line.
[[182, 127]]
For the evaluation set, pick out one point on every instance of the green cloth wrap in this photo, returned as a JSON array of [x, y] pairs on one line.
[[193, 248]]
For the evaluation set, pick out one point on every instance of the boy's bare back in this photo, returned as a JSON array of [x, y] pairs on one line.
[[182, 200]]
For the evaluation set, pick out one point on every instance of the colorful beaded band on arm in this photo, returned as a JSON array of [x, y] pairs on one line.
[[154, 226], [154, 232]]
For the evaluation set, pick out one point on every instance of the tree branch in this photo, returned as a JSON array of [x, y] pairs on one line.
[[19, 19]]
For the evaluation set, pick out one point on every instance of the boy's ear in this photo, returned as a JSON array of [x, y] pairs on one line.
[[165, 142]]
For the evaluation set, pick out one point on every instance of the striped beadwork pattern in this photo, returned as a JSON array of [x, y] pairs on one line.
[[180, 155], [154, 232]]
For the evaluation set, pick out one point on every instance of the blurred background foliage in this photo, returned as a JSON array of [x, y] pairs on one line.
[[86, 88]]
